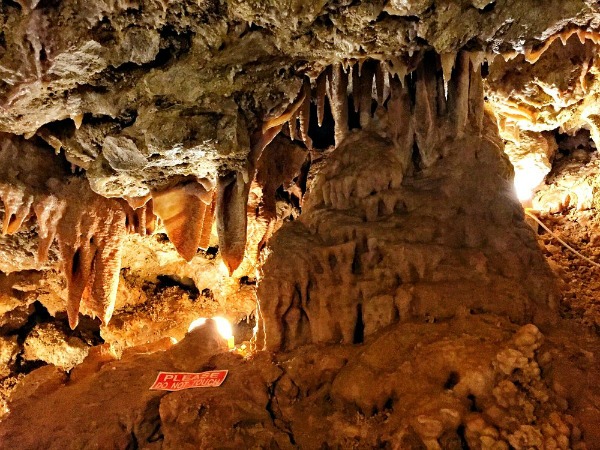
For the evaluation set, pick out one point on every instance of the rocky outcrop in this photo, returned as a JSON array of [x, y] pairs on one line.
[[477, 381]]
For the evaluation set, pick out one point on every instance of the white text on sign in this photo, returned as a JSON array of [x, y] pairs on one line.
[[176, 381]]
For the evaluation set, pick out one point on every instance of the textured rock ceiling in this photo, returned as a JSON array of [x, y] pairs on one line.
[[147, 173]]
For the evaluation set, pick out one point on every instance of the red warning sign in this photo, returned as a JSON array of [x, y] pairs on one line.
[[176, 381]]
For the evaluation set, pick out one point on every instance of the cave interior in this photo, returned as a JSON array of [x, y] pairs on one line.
[[378, 222]]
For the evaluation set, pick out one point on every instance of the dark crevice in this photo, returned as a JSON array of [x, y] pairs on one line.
[[247, 281], [210, 252], [322, 136], [183, 283], [39, 315], [416, 158], [489, 7], [356, 264], [389, 404], [463, 439], [473, 403], [133, 442], [359, 329], [275, 420], [453, 379], [208, 294], [76, 262]]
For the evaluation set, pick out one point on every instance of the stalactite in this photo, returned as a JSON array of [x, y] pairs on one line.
[[304, 114], [207, 223], [399, 117], [89, 235], [286, 116], [17, 206], [338, 100], [476, 104], [232, 199], [447, 61], [532, 56], [292, 123], [356, 88], [366, 92], [49, 210], [321, 93], [380, 83], [182, 210], [426, 120], [140, 217], [458, 94]]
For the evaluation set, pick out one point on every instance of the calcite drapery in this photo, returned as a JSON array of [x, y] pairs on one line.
[[88, 227]]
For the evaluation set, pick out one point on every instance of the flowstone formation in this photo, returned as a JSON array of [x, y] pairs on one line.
[[414, 216]]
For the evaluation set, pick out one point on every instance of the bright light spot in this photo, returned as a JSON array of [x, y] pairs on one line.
[[196, 323], [529, 174], [523, 189], [173, 340], [223, 327]]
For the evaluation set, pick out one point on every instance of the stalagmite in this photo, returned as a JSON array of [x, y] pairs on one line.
[[182, 210], [279, 164], [353, 263]]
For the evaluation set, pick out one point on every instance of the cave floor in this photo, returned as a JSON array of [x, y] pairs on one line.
[[580, 278]]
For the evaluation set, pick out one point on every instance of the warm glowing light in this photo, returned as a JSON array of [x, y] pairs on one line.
[[197, 323], [523, 189], [529, 174], [223, 327], [225, 330]]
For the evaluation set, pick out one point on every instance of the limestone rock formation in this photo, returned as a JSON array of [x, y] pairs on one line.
[[396, 228]]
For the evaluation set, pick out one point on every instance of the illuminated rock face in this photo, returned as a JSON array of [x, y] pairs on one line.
[[423, 224]]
